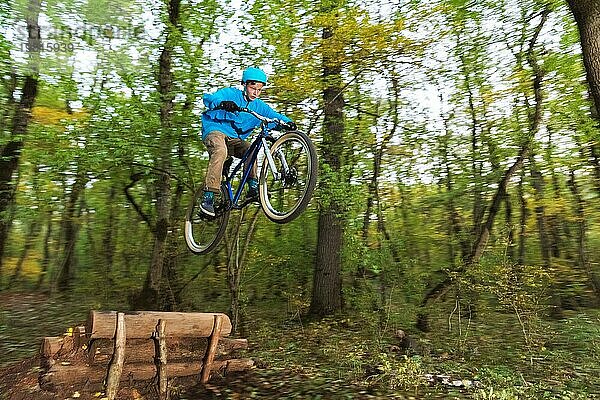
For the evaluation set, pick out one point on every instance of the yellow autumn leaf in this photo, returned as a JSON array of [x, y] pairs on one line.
[[53, 116]]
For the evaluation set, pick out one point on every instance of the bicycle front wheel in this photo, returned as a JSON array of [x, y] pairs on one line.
[[286, 191], [202, 232]]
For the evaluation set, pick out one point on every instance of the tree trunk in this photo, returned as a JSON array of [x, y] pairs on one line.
[[594, 150], [412, 250], [476, 160], [524, 214], [508, 220], [151, 292], [540, 213], [46, 252], [556, 225], [29, 242], [582, 259], [69, 229], [327, 282], [535, 117], [373, 200], [455, 228], [108, 241], [172, 272], [587, 17], [10, 152], [236, 261]]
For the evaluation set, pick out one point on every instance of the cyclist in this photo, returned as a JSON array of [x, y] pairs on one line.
[[224, 130]]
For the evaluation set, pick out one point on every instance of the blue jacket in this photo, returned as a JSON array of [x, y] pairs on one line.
[[238, 124]]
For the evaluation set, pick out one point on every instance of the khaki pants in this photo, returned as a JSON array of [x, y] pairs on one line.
[[221, 146]]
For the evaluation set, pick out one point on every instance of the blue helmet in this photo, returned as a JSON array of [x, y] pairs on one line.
[[254, 74]]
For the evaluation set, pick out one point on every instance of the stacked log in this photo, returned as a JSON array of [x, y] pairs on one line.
[[83, 357]]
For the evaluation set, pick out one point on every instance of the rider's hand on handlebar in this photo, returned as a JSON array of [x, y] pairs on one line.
[[289, 126], [228, 105]]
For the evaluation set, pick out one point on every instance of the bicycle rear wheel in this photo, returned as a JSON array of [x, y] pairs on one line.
[[202, 232], [285, 193]]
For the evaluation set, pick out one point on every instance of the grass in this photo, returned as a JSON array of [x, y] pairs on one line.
[[489, 361]]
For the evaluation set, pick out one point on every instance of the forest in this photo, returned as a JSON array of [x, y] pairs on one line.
[[451, 248]]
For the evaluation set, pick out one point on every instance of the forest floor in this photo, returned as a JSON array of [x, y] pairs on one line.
[[341, 358]]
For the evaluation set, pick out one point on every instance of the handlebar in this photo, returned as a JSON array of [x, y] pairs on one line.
[[288, 126], [261, 118], [255, 114]]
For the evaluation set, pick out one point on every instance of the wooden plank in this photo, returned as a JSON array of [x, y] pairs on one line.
[[141, 324], [160, 359], [116, 364], [61, 374], [212, 349]]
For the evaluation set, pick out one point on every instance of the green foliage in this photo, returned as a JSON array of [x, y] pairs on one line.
[[501, 384], [405, 372], [334, 191]]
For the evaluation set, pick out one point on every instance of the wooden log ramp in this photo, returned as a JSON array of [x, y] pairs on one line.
[[143, 345]]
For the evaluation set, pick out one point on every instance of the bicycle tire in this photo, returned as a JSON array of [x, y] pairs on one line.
[[284, 198], [202, 232]]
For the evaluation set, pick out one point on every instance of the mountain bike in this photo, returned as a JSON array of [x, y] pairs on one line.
[[286, 182]]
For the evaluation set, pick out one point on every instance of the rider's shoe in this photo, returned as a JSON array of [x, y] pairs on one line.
[[207, 205], [252, 193]]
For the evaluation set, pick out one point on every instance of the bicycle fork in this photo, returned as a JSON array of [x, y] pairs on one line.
[[271, 161]]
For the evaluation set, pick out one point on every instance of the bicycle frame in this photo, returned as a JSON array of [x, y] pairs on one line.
[[258, 144]]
